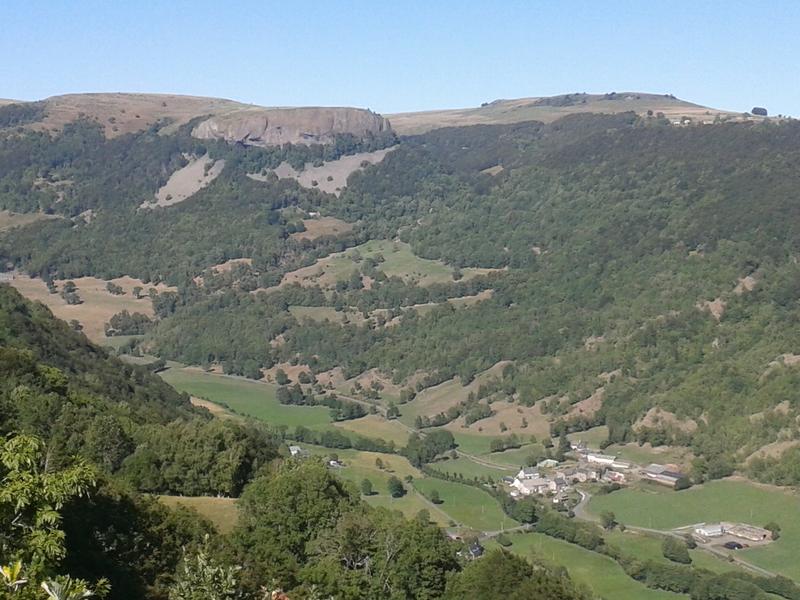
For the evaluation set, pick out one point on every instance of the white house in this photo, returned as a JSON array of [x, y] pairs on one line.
[[540, 486], [528, 473], [547, 463], [709, 530]]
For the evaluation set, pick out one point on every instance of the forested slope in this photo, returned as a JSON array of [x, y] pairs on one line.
[[75, 454], [654, 260]]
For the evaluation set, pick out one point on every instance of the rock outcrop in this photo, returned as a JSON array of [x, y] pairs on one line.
[[275, 126]]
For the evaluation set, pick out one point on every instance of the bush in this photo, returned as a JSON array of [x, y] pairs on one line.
[[675, 550]]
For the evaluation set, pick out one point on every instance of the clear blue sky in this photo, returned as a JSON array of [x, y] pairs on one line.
[[395, 56]]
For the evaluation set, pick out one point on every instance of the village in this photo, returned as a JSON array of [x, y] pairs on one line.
[[556, 480]]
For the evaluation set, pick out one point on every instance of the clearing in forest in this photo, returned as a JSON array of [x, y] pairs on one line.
[[187, 181], [98, 305], [398, 261], [9, 219], [222, 512], [322, 226], [251, 398], [330, 177]]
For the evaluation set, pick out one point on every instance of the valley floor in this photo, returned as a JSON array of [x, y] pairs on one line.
[[468, 508]]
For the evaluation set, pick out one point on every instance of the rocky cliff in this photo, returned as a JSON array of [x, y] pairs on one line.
[[274, 126]]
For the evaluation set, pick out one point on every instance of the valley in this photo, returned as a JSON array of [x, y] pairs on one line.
[[545, 325]]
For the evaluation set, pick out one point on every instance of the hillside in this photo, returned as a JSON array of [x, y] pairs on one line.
[[216, 118], [549, 109], [82, 432], [616, 265]]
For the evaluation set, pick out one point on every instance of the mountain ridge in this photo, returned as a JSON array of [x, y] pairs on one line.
[[123, 112]]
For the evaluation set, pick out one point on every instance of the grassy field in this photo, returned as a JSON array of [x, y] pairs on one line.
[[399, 261], [648, 547], [245, 397], [472, 443], [360, 465], [98, 306], [325, 313], [593, 437], [645, 454], [467, 505], [222, 512], [599, 573], [9, 220], [376, 426], [730, 500], [515, 457], [469, 468]]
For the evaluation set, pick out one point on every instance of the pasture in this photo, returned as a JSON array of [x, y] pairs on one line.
[[9, 220], [222, 512], [376, 426], [398, 260], [249, 398], [515, 457], [360, 465], [469, 468], [728, 500], [98, 305], [648, 547], [467, 505], [597, 572]]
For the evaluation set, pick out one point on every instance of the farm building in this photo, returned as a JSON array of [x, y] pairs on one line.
[[709, 530], [662, 474], [747, 532], [528, 473]]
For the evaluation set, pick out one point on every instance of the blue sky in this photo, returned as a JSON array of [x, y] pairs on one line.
[[397, 56]]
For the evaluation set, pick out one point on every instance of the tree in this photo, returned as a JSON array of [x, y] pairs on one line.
[[281, 514], [379, 463], [434, 497], [366, 487], [33, 497], [114, 289], [395, 486], [281, 378], [774, 529], [675, 549], [201, 577], [137, 292], [500, 575], [608, 519], [392, 412]]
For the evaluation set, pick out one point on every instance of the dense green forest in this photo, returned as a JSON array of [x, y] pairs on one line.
[[609, 235], [84, 435]]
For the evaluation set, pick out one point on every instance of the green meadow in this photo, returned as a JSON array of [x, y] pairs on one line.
[[467, 505], [249, 398], [597, 572], [728, 500]]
